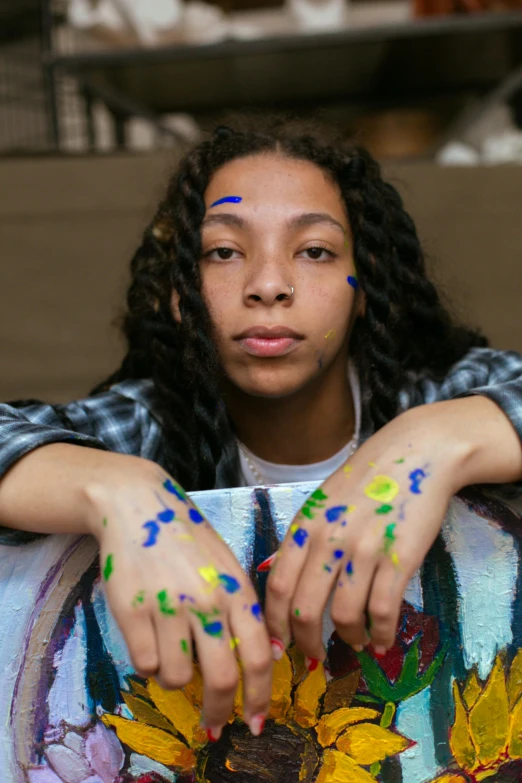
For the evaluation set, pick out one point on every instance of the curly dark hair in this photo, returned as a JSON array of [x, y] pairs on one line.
[[405, 328]]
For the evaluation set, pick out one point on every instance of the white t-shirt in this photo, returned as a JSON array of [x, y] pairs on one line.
[[315, 471]]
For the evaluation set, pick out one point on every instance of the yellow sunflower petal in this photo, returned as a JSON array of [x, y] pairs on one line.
[[151, 742], [489, 717], [461, 743], [298, 662], [515, 732], [281, 688], [145, 712], [176, 707], [194, 689], [138, 689], [450, 778], [330, 726], [472, 690], [367, 743], [307, 697], [514, 687], [338, 768]]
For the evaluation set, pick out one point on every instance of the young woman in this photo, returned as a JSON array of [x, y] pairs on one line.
[[280, 327]]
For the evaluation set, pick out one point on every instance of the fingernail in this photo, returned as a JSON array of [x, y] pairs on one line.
[[213, 733], [357, 647], [266, 564], [311, 663], [278, 649], [379, 651], [256, 725]]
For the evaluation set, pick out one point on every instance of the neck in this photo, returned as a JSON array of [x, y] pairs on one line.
[[309, 426]]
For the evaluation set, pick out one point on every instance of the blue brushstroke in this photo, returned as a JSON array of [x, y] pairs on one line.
[[153, 529], [226, 200]]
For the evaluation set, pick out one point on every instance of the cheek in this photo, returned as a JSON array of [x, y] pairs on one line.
[[219, 297]]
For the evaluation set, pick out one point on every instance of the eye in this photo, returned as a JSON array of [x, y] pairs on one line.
[[318, 252], [220, 253]]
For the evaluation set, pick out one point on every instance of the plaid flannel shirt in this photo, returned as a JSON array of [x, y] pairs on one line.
[[125, 418]]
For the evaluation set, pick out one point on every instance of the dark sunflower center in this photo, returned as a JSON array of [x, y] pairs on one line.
[[282, 754]]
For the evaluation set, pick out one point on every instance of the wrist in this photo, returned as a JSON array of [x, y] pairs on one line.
[[111, 480]]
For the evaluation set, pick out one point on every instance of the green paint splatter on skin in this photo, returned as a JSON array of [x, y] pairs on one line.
[[385, 509], [184, 646], [165, 606], [312, 503], [104, 521], [108, 567], [389, 536], [210, 626], [399, 461], [138, 598], [297, 612]]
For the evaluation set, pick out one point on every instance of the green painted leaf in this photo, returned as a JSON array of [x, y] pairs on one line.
[[375, 678]]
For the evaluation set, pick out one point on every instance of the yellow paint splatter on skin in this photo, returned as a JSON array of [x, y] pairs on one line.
[[382, 488], [347, 469], [234, 641], [210, 575], [372, 464], [395, 559], [331, 333], [350, 509]]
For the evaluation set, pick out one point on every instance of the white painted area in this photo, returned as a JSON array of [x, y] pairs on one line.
[[486, 562], [413, 721], [68, 698]]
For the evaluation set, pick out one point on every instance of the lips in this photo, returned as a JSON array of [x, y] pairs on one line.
[[269, 341]]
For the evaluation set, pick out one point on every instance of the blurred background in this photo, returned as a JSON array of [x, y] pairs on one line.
[[98, 98]]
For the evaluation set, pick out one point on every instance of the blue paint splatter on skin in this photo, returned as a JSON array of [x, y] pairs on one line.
[[196, 516], [416, 476], [333, 514], [184, 597], [153, 529], [349, 568], [256, 611], [171, 487], [338, 553], [300, 536], [213, 629], [226, 200], [167, 515], [230, 583], [328, 568], [353, 282]]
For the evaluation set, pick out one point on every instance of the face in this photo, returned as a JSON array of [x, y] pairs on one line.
[[279, 224]]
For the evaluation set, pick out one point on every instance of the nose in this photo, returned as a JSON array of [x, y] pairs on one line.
[[269, 286]]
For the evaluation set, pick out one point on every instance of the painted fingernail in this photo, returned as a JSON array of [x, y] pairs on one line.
[[379, 651], [357, 647], [266, 564], [213, 733], [278, 649], [256, 725], [311, 663]]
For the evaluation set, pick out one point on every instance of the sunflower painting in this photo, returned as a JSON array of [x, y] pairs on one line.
[[443, 705], [312, 732]]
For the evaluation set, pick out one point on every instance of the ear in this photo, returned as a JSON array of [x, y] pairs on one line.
[[174, 304]]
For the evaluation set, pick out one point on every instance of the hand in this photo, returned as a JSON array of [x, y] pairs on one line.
[[171, 581], [362, 535]]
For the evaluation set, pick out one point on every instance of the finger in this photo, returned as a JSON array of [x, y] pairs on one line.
[[174, 640], [314, 587], [384, 605], [283, 579], [132, 611], [352, 593], [253, 646], [218, 663]]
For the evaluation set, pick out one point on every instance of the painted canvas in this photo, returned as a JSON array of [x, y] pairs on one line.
[[443, 705]]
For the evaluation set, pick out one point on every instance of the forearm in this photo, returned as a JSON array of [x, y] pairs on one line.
[[49, 489], [486, 445]]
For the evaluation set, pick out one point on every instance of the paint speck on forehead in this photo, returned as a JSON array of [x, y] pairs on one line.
[[226, 200], [352, 280]]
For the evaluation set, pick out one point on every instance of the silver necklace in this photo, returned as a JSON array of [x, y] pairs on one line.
[[257, 472]]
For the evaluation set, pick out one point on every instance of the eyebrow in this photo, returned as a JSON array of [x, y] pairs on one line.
[[299, 221]]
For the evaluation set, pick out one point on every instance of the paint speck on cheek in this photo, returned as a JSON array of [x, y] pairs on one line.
[[329, 334], [352, 280]]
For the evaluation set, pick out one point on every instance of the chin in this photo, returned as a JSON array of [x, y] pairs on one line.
[[271, 385]]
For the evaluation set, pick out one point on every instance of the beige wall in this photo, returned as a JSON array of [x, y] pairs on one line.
[[68, 229]]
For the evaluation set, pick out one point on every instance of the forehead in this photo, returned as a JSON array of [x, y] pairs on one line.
[[270, 178]]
